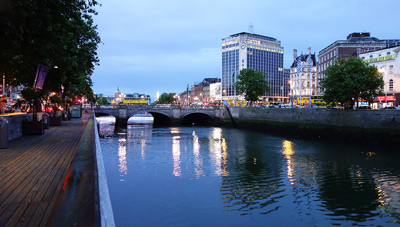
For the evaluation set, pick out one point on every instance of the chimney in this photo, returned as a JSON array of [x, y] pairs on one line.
[[309, 51], [294, 54]]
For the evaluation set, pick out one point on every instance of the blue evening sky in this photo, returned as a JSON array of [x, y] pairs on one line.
[[157, 45]]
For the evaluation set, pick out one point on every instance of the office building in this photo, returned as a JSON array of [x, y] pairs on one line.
[[246, 50]]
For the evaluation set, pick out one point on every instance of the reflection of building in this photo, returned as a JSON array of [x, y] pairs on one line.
[[388, 63], [355, 44], [245, 50], [303, 75]]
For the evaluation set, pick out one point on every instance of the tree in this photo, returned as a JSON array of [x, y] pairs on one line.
[[166, 98], [53, 33], [252, 83], [350, 79]]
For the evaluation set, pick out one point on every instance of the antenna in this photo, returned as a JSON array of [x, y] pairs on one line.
[[251, 28]]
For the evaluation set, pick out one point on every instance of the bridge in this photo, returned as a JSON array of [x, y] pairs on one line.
[[165, 115]]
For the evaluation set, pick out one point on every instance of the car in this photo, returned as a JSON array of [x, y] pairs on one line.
[[364, 108], [397, 107], [8, 109]]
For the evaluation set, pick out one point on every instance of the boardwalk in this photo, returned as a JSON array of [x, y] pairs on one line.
[[32, 171]]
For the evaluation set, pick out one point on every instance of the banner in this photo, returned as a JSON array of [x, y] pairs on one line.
[[41, 74]]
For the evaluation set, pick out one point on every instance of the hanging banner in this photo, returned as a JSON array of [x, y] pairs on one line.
[[41, 74]]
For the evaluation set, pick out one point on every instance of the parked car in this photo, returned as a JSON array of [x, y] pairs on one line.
[[8, 108]]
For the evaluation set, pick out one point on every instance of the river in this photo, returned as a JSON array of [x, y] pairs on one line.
[[209, 176]]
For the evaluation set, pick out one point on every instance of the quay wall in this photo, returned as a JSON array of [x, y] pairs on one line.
[[380, 127]]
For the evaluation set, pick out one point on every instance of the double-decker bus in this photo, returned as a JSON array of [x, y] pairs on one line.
[[315, 100], [136, 100]]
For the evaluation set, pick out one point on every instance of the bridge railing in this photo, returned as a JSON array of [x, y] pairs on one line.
[[156, 106]]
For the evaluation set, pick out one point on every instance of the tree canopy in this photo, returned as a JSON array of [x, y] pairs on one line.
[[55, 33], [350, 79], [252, 83], [166, 98]]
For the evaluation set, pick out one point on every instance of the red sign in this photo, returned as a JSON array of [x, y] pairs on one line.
[[383, 98]]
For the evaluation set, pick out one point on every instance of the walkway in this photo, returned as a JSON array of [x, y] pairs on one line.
[[32, 171]]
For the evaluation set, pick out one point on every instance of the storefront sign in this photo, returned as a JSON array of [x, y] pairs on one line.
[[381, 58], [383, 98]]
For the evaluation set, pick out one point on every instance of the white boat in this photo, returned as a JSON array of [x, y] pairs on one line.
[[141, 119]]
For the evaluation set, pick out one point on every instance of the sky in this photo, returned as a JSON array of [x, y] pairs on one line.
[[163, 45]]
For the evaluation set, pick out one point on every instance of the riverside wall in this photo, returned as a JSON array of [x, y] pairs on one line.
[[379, 127]]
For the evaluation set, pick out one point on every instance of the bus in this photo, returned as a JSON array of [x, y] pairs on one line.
[[136, 100], [315, 100]]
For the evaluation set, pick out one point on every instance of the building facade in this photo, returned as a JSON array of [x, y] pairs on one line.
[[303, 76], [355, 44], [246, 50], [388, 63]]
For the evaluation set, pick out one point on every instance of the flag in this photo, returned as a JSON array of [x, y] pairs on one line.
[[309, 100], [233, 78], [41, 74], [299, 64], [310, 62], [187, 88]]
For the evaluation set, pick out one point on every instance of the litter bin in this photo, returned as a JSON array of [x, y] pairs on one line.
[[3, 133], [46, 123]]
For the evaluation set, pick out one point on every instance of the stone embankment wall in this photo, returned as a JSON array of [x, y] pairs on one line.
[[380, 127]]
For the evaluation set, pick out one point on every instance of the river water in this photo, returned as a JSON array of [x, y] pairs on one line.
[[205, 176]]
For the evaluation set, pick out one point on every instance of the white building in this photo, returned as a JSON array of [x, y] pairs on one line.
[[215, 92], [388, 63], [303, 77]]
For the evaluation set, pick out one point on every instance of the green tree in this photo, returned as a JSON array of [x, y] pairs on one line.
[[53, 33], [166, 98], [252, 83], [350, 79]]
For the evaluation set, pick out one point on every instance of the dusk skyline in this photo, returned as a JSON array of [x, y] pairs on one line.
[[163, 46]]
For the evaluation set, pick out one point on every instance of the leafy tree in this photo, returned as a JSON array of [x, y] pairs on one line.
[[53, 33], [252, 83], [102, 101], [350, 79], [166, 98]]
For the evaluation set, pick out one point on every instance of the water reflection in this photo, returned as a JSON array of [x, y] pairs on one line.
[[234, 176], [123, 167], [139, 136], [255, 182], [106, 125], [176, 152]]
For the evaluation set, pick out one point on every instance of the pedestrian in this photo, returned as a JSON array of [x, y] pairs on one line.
[[3, 101]]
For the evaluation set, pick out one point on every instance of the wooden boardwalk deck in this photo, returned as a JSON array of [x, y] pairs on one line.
[[32, 171]]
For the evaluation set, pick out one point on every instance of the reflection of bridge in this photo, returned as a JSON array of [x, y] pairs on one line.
[[173, 115]]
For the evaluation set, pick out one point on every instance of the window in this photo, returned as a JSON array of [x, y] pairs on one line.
[[390, 85], [371, 56], [390, 69], [388, 53]]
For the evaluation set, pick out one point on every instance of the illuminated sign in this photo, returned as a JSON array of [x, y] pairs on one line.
[[382, 98], [381, 58]]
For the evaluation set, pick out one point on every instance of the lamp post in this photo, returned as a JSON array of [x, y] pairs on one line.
[[382, 70]]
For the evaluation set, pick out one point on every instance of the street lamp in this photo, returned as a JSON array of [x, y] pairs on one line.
[[382, 70]]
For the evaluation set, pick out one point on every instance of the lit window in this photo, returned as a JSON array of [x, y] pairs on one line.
[[390, 85]]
